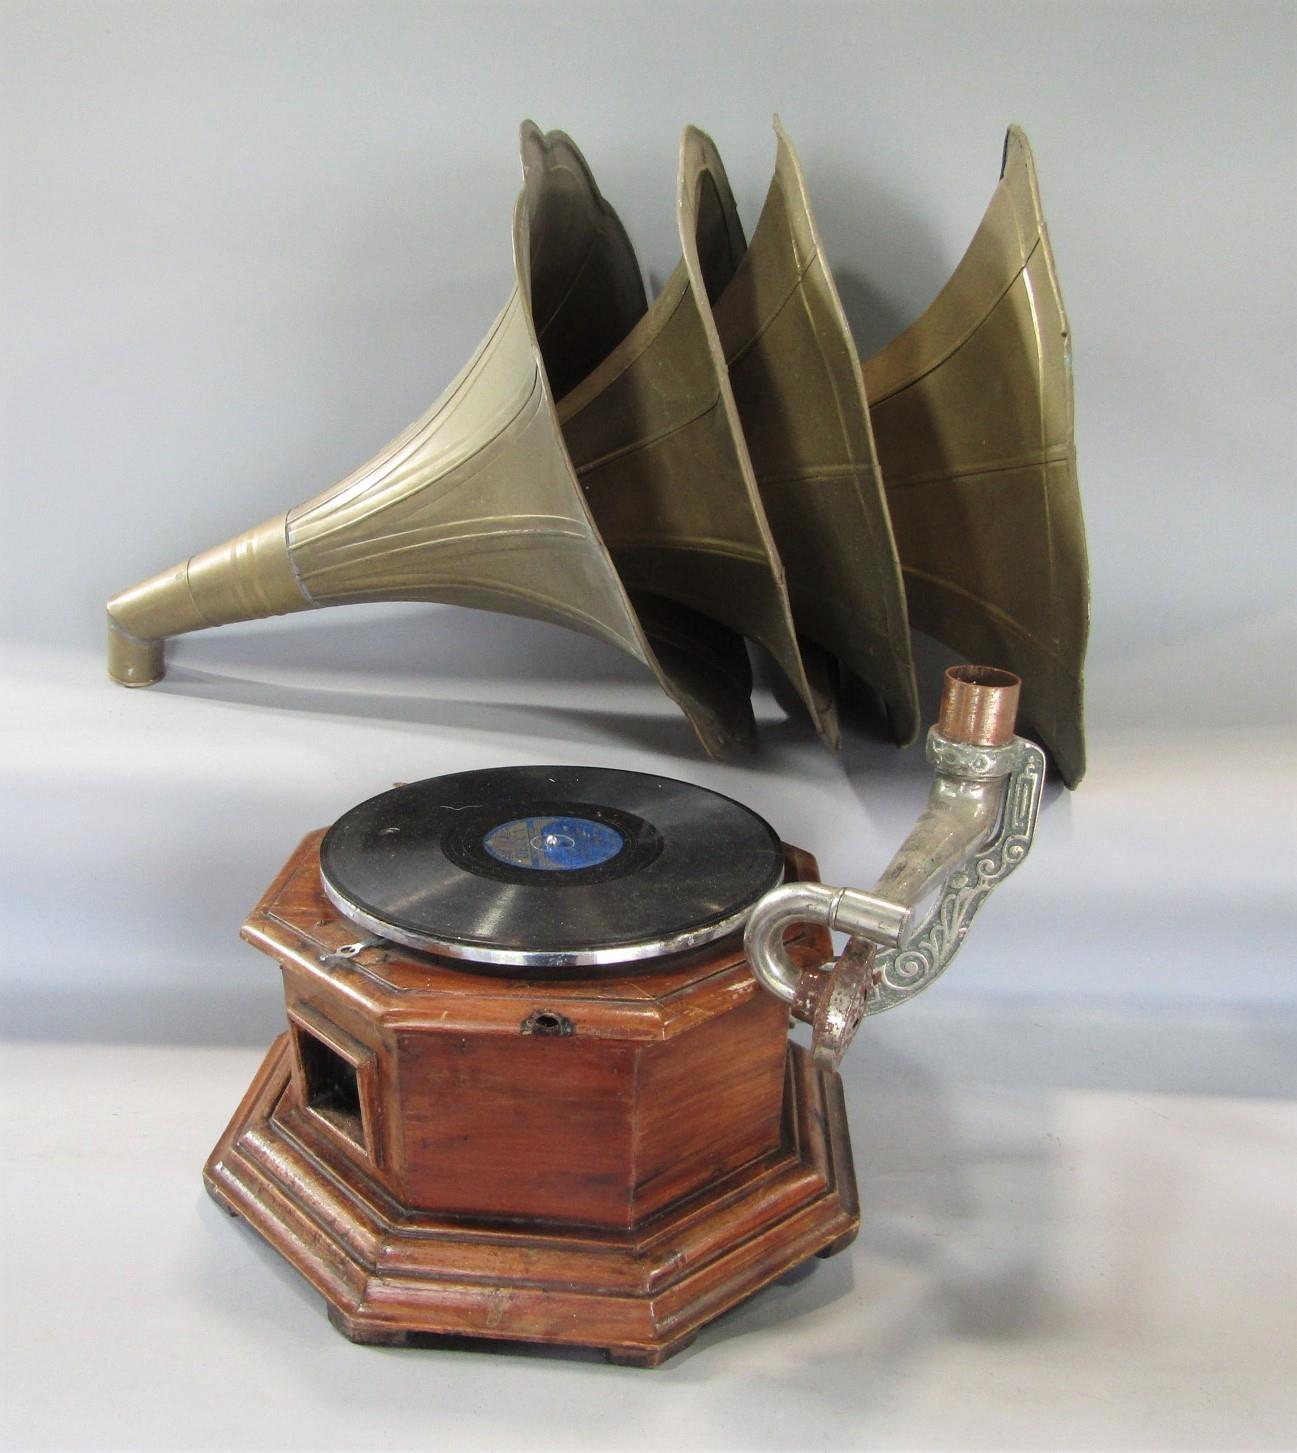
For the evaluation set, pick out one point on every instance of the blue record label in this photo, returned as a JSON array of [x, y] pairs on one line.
[[553, 844]]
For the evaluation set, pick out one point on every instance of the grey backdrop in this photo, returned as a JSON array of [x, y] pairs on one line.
[[244, 244]]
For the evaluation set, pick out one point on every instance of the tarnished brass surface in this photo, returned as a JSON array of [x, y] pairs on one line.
[[475, 503], [244, 579], [655, 436], [796, 380], [972, 416], [709, 472]]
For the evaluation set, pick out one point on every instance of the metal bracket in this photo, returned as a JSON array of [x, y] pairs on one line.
[[901, 973], [976, 828]]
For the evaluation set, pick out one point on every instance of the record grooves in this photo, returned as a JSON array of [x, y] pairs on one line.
[[549, 867]]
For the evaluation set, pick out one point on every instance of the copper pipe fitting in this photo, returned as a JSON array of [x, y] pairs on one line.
[[979, 705]]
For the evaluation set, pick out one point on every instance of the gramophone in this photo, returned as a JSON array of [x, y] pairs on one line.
[[536, 1082]]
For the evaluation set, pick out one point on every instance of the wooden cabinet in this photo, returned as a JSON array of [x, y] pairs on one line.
[[605, 1161]]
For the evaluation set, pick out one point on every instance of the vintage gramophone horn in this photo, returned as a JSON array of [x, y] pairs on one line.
[[972, 416], [655, 436], [796, 380], [476, 503]]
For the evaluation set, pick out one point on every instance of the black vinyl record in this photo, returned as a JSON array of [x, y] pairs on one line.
[[549, 866]]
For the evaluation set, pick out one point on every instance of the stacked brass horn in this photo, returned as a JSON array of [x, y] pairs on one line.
[[714, 466]]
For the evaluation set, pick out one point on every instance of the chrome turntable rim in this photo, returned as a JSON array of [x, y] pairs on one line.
[[539, 958]]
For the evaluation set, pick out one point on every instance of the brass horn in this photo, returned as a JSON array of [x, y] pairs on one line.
[[476, 503], [655, 435], [972, 416], [796, 379]]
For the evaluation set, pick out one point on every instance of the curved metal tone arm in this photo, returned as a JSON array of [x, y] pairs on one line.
[[847, 910], [902, 971], [973, 832]]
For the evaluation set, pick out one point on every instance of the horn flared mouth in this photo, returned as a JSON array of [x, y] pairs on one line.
[[973, 420]]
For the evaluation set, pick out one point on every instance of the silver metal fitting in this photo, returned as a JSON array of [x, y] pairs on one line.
[[848, 910], [975, 829]]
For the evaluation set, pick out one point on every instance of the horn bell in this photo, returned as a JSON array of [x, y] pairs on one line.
[[973, 422], [655, 436], [476, 503], [797, 384]]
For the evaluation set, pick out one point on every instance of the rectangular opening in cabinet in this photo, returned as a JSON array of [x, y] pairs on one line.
[[332, 1085]]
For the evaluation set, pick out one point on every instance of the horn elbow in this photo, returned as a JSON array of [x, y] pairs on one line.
[[247, 578], [131, 661], [141, 618]]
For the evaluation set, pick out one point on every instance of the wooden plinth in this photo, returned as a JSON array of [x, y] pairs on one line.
[[606, 1163], [642, 1295]]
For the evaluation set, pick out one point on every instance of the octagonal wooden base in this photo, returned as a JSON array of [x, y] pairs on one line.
[[391, 1274]]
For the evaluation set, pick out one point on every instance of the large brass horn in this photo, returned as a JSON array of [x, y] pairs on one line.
[[476, 503], [796, 380], [972, 416], [655, 435]]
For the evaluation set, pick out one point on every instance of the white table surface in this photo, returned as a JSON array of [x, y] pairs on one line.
[[1077, 1155], [1061, 1248]]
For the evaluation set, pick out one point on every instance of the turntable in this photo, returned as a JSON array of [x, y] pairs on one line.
[[537, 1086]]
